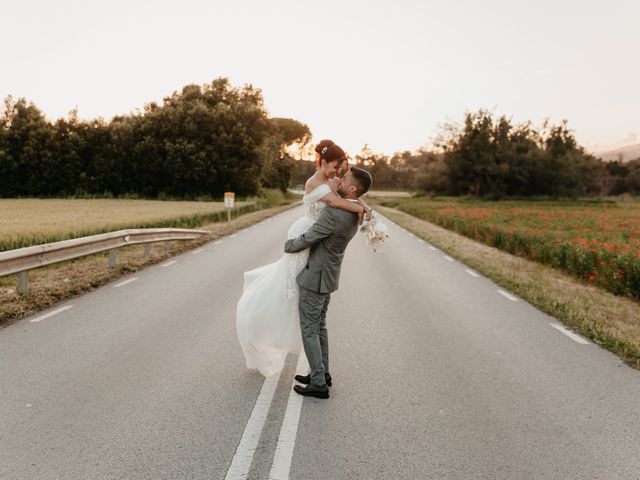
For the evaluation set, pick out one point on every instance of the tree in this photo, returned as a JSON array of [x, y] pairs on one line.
[[288, 137]]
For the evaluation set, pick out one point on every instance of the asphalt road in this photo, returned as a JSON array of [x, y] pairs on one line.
[[437, 375]]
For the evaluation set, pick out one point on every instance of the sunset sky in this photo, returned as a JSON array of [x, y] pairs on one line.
[[382, 73]]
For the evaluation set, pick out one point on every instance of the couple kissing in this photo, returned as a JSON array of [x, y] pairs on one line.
[[284, 304]]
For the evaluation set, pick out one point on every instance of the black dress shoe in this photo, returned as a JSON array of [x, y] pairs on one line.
[[306, 379], [312, 391]]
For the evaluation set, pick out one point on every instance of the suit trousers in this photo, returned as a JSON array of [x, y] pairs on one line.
[[313, 326]]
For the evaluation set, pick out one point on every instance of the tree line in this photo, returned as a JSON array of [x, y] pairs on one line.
[[491, 157], [205, 140], [199, 142]]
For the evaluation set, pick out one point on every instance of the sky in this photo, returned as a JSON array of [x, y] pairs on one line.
[[384, 73]]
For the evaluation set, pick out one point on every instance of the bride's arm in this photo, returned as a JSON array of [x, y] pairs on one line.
[[367, 209], [336, 201]]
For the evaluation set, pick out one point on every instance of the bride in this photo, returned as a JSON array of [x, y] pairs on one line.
[[267, 318]]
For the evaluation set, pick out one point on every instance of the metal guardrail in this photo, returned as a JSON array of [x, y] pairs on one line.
[[22, 260]]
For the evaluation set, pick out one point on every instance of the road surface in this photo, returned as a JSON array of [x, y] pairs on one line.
[[438, 374]]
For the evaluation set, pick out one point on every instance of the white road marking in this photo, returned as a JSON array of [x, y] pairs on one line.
[[234, 235], [200, 250], [471, 272], [570, 334], [126, 282], [289, 430], [51, 314], [432, 247], [420, 240], [448, 258], [170, 262], [218, 242], [507, 295], [241, 462]]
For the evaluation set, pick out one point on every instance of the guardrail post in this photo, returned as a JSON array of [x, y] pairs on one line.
[[23, 282], [167, 245], [147, 249], [112, 257]]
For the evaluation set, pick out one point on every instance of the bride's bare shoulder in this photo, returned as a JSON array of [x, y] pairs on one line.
[[311, 185]]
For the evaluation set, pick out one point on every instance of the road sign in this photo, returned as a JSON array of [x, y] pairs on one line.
[[229, 197]]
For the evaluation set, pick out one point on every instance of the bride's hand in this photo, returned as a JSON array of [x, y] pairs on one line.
[[361, 215]]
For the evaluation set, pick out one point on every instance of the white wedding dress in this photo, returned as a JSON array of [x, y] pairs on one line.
[[267, 318]]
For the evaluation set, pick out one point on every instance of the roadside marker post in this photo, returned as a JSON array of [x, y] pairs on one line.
[[229, 197]]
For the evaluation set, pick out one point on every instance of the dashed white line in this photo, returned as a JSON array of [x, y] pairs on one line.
[[471, 272], [570, 334], [448, 258], [126, 282], [195, 252], [241, 462], [432, 247], [420, 240], [289, 430], [234, 235], [51, 314], [170, 262], [218, 242], [507, 295]]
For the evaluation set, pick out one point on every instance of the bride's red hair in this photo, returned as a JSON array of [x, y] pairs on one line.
[[329, 152]]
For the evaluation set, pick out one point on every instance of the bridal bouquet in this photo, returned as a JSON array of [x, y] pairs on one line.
[[375, 233]]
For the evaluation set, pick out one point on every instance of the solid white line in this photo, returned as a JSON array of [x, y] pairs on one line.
[[218, 242], [121, 284], [51, 314], [200, 250], [448, 258], [570, 334], [241, 462], [170, 262], [289, 430], [507, 295], [471, 272]]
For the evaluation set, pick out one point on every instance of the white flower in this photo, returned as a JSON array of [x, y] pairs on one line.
[[380, 229]]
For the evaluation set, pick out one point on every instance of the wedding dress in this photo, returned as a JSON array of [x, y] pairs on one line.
[[267, 318]]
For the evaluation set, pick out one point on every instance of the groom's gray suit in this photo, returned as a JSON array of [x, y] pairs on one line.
[[328, 239]]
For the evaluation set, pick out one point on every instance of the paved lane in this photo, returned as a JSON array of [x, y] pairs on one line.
[[436, 375], [439, 376], [141, 381]]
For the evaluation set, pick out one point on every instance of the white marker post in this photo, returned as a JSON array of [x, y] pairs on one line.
[[228, 202]]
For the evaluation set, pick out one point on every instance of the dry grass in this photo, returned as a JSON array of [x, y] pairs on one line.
[[50, 285], [388, 194], [26, 222], [611, 321]]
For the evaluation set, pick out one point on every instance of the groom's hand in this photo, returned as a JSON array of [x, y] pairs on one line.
[[320, 230]]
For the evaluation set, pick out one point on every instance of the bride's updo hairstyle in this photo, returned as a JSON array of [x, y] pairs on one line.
[[329, 152]]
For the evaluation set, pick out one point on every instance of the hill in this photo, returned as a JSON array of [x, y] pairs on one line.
[[629, 152]]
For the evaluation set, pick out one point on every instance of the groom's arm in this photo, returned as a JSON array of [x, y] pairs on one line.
[[324, 226]]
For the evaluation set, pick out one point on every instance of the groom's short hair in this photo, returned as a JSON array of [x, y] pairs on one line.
[[362, 180]]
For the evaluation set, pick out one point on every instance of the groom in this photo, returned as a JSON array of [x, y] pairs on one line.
[[328, 239]]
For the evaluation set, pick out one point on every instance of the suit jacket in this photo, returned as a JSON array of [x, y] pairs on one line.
[[328, 239]]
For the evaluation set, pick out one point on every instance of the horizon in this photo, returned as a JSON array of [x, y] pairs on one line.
[[359, 73]]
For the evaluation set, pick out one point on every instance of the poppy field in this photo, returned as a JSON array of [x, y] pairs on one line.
[[598, 242]]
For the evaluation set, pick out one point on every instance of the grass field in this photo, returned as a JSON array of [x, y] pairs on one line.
[[25, 222], [599, 242]]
